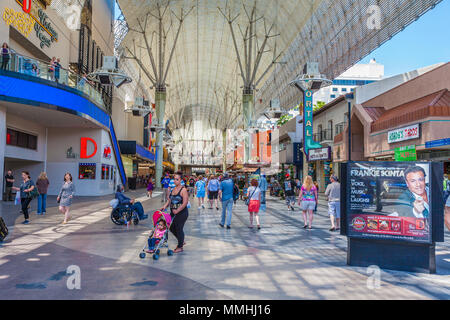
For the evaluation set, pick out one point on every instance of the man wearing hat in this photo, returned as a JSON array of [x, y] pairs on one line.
[[289, 192], [226, 196], [333, 192]]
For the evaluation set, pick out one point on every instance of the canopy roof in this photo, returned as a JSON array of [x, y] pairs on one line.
[[205, 66]]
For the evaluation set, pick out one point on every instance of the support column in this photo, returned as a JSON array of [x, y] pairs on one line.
[[247, 103], [160, 105], [224, 150]]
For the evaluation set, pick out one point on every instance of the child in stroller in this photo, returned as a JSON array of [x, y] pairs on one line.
[[158, 236]]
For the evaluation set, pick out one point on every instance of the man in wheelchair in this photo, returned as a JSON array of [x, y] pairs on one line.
[[127, 204]]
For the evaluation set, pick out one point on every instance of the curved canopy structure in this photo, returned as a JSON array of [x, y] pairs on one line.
[[227, 46]]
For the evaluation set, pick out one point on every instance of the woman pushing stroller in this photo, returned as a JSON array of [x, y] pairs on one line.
[[178, 201]]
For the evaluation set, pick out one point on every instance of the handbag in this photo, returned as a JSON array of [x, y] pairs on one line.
[[247, 201], [33, 193]]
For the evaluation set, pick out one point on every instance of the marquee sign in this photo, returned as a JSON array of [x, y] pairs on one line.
[[308, 142], [42, 26], [319, 154]]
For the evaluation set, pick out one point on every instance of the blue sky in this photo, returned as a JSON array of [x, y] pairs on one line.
[[423, 43]]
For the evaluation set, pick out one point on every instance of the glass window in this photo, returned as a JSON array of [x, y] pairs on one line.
[[103, 171], [344, 89], [335, 89], [86, 171], [21, 139], [108, 169], [332, 96]]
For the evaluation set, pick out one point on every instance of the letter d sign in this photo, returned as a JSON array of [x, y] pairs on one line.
[[83, 148]]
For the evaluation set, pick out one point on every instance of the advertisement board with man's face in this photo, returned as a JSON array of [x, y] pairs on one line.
[[389, 200]]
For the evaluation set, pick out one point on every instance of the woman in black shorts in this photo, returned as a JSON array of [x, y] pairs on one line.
[[178, 201]]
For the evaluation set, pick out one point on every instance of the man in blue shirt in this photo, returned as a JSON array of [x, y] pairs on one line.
[[165, 184], [213, 192], [263, 186], [199, 191], [226, 195]]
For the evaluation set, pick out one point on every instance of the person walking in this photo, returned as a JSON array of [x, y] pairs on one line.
[[25, 194], [165, 185], [254, 197], [42, 184], [9, 182], [289, 192], [65, 197], [226, 192], [316, 184], [150, 188], [200, 192], [178, 201], [333, 192], [263, 186], [213, 192], [6, 56], [446, 188], [307, 201]]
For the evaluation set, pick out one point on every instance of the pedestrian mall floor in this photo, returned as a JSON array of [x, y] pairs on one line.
[[280, 261]]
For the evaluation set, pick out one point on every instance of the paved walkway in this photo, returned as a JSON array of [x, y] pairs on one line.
[[281, 261]]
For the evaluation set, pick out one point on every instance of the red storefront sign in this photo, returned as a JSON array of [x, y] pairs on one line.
[[83, 148]]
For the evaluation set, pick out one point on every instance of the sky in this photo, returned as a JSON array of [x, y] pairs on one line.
[[424, 42]]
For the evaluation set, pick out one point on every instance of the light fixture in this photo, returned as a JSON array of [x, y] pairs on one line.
[[109, 74]]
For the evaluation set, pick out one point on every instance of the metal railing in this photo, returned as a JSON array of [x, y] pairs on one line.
[[324, 135], [41, 69], [340, 128]]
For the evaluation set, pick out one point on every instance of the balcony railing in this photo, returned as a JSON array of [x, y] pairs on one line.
[[340, 128], [324, 135], [40, 69]]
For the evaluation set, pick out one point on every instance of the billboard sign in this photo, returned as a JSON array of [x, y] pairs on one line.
[[389, 201]]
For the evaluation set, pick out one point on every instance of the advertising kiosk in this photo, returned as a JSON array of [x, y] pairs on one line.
[[392, 214]]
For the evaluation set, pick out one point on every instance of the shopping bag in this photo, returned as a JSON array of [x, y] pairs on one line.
[[114, 203], [17, 200]]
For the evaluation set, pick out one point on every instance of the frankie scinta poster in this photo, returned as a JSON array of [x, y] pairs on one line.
[[389, 200]]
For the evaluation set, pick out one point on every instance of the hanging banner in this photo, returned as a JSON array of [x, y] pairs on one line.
[[389, 200]]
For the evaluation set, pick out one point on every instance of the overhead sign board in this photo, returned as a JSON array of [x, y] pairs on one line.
[[402, 134], [437, 143]]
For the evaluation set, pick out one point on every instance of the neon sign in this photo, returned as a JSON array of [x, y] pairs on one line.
[[21, 21], [83, 148], [308, 143], [42, 24]]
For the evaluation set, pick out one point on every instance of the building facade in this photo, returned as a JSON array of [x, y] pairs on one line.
[[54, 120]]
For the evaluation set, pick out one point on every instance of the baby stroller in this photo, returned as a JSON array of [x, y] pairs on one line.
[[163, 243]]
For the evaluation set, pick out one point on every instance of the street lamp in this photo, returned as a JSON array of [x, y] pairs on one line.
[[349, 98]]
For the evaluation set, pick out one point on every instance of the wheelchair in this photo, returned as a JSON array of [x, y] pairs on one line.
[[122, 214]]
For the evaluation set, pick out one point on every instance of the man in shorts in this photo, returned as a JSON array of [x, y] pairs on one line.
[[289, 192], [333, 192], [213, 192]]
